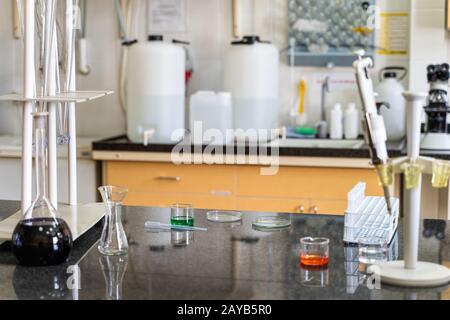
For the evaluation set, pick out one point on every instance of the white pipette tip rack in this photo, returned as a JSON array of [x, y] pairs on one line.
[[368, 218]]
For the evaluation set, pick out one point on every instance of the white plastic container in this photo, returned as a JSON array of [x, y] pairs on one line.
[[336, 125], [211, 118], [156, 91], [390, 91], [251, 76], [351, 122]]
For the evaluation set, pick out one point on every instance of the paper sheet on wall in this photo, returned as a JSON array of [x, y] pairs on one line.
[[167, 16], [393, 37]]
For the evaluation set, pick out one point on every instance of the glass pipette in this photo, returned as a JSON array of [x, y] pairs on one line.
[[163, 226]]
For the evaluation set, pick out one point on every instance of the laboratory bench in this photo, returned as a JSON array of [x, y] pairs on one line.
[[309, 180], [229, 261]]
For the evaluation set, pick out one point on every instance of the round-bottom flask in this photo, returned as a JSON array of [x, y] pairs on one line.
[[41, 238]]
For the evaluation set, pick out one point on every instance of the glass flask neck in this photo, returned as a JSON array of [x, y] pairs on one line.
[[41, 206], [40, 157]]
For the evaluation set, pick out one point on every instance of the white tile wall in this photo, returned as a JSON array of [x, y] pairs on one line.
[[9, 60], [429, 40], [208, 29]]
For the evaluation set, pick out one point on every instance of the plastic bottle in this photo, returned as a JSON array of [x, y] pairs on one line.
[[251, 73], [390, 91], [156, 85], [214, 112], [336, 126], [351, 127]]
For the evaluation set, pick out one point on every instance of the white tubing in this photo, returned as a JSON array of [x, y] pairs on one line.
[[73, 196], [29, 92], [83, 68], [120, 17], [52, 133], [124, 58], [415, 104]]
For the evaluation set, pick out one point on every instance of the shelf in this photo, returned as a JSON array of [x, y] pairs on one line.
[[326, 33], [337, 59], [76, 97]]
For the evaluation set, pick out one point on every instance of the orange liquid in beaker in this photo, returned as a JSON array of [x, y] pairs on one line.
[[312, 260]]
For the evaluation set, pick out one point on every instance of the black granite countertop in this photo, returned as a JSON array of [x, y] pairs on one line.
[[123, 144], [226, 262]]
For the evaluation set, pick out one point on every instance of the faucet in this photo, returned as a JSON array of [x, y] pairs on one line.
[[325, 90], [322, 125]]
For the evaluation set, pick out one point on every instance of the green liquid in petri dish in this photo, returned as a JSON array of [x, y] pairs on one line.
[[182, 221]]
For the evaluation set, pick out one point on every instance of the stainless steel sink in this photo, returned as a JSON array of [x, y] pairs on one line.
[[317, 143]]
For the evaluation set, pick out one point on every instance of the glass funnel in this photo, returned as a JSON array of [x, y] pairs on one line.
[[113, 240], [41, 238]]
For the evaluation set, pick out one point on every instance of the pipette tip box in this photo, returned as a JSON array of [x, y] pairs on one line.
[[367, 218]]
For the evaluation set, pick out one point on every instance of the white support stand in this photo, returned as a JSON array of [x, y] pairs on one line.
[[29, 93], [52, 146], [72, 148], [411, 272], [73, 193], [79, 217]]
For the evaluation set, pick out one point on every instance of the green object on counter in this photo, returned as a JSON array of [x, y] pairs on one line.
[[306, 131], [182, 221]]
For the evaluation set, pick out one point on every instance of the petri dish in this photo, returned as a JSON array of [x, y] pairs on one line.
[[271, 223], [224, 216]]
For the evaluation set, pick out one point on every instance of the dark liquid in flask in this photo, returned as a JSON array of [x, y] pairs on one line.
[[42, 242]]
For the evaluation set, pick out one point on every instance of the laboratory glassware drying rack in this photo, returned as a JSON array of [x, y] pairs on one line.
[[80, 217], [326, 33]]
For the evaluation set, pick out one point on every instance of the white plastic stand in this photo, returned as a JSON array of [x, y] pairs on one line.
[[79, 217], [73, 195], [411, 272]]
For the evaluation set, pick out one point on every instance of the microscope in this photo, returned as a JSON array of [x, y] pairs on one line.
[[436, 135]]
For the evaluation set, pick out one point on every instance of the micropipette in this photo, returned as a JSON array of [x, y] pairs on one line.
[[163, 226], [373, 123]]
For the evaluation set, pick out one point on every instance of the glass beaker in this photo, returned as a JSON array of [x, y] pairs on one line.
[[181, 238], [314, 277], [41, 238], [371, 251], [314, 252], [113, 240], [182, 215], [412, 172], [441, 174]]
